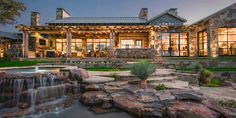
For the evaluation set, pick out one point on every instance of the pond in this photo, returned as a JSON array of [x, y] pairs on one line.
[[78, 110]]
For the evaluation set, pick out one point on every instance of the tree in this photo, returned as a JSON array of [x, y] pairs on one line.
[[10, 10], [143, 70]]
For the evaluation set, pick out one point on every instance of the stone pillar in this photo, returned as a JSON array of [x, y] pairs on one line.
[[150, 38], [68, 42], [25, 44], [209, 42]]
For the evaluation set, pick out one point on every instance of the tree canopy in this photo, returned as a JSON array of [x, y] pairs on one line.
[[10, 10]]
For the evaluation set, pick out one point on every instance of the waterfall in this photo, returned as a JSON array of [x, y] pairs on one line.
[[32, 90], [36, 68]]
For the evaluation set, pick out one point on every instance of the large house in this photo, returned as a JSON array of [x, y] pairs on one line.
[[133, 37]]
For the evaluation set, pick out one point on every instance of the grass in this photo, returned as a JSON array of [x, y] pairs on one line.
[[105, 69], [225, 69], [20, 63]]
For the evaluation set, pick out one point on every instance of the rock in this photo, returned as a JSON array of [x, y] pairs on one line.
[[15, 114], [99, 110], [92, 87], [98, 79], [79, 74], [93, 97], [182, 109], [187, 96], [146, 97], [117, 83], [165, 96], [106, 105], [24, 105], [130, 105], [112, 89]]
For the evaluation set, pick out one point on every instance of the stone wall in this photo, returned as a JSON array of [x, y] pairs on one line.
[[136, 53], [221, 19]]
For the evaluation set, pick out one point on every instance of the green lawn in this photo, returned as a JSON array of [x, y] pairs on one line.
[[20, 63], [226, 69], [105, 69]]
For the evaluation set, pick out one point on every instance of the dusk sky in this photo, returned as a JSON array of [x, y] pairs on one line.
[[192, 10]]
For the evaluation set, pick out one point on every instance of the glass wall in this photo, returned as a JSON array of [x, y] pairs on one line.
[[202, 43], [97, 47], [227, 41], [131, 43], [175, 44], [76, 47]]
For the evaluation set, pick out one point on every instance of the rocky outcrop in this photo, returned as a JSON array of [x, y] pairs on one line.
[[79, 74], [189, 109], [94, 98]]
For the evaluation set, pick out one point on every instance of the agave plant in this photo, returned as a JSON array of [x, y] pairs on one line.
[[143, 70]]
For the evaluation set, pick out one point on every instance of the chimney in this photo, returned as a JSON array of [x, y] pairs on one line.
[[143, 13], [62, 13], [173, 11], [35, 18]]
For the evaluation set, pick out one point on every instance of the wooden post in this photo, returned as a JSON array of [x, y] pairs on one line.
[[68, 42], [25, 44]]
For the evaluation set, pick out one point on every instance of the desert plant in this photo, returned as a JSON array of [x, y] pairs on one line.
[[205, 76], [160, 87], [143, 70], [197, 67]]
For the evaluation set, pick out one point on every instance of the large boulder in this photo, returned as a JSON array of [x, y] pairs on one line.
[[94, 97], [187, 109], [80, 74], [130, 105]]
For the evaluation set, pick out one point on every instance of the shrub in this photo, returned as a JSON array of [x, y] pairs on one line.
[[160, 87], [115, 76], [197, 67], [205, 76], [143, 69], [214, 82], [228, 103]]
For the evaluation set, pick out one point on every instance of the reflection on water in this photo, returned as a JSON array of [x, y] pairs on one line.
[[77, 110]]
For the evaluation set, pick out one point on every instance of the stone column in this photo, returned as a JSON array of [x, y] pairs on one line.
[[68, 42], [25, 44]]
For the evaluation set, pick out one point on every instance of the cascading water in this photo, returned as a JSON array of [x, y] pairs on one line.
[[30, 91]]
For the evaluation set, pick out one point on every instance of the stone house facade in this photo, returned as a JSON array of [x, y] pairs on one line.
[[137, 37]]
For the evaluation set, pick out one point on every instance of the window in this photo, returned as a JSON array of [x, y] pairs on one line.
[[202, 43], [131, 44], [76, 45], [175, 44], [97, 47], [227, 41]]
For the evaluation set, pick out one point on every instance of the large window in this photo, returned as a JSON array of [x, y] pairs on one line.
[[175, 44], [227, 41], [131, 44], [202, 43], [76, 46], [97, 47]]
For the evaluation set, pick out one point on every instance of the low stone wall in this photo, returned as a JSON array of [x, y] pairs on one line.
[[136, 53], [204, 63]]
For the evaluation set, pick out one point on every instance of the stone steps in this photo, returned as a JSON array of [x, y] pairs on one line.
[[174, 84], [161, 79]]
